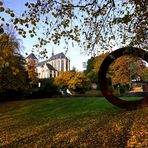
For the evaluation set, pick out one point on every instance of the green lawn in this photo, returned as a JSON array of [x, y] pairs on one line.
[[71, 122]]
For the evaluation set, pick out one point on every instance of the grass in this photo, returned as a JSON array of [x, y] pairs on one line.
[[71, 122], [130, 98]]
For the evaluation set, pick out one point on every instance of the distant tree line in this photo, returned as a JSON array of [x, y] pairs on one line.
[[18, 78], [120, 73]]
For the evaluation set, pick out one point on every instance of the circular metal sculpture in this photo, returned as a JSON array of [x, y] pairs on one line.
[[103, 80]]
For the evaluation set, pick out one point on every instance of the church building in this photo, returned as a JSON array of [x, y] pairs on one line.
[[51, 67]]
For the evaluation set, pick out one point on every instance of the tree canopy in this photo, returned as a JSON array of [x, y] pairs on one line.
[[12, 71], [94, 25], [127, 68], [72, 80], [31, 69], [122, 71]]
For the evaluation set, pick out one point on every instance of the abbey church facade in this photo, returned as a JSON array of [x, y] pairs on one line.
[[51, 67]]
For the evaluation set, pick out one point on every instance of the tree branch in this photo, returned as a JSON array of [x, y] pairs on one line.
[[78, 6]]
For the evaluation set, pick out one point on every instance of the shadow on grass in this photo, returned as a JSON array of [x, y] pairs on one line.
[[71, 122]]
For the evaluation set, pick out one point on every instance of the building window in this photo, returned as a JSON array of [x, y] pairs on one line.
[[62, 65], [50, 73], [66, 65], [58, 65], [46, 73], [54, 73], [54, 64]]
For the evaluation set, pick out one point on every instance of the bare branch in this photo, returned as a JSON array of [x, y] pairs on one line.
[[78, 6]]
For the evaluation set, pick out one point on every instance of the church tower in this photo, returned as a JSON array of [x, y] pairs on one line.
[[52, 51]]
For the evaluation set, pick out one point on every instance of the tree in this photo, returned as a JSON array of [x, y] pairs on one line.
[[126, 68], [48, 88], [75, 81], [12, 71], [79, 83], [93, 76], [89, 70], [93, 66], [90, 65], [98, 61], [62, 80], [145, 73], [92, 24], [122, 71], [31, 69]]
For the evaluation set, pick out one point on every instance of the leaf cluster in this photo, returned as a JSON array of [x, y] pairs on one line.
[[73, 80], [13, 75], [121, 71], [106, 23]]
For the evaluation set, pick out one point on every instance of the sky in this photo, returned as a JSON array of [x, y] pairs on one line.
[[74, 53]]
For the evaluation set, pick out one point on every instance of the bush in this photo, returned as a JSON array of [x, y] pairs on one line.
[[47, 86], [46, 89], [11, 94]]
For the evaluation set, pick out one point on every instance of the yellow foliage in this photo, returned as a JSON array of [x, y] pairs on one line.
[[63, 79], [7, 64], [79, 80], [145, 73], [12, 71], [7, 49], [73, 80], [122, 68]]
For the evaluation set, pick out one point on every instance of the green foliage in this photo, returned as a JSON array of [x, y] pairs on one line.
[[119, 89], [90, 65], [89, 70], [1, 30], [93, 76], [48, 87], [93, 65], [45, 88]]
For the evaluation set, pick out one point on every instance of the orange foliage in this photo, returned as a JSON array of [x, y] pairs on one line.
[[126, 68], [123, 69], [31, 69]]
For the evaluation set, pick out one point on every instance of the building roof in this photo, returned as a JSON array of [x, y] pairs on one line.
[[32, 56], [57, 56], [50, 67], [42, 63]]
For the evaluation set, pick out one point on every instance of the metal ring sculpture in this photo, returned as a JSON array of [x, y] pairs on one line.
[[103, 80]]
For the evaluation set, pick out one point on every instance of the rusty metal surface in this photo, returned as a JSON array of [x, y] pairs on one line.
[[103, 80]]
